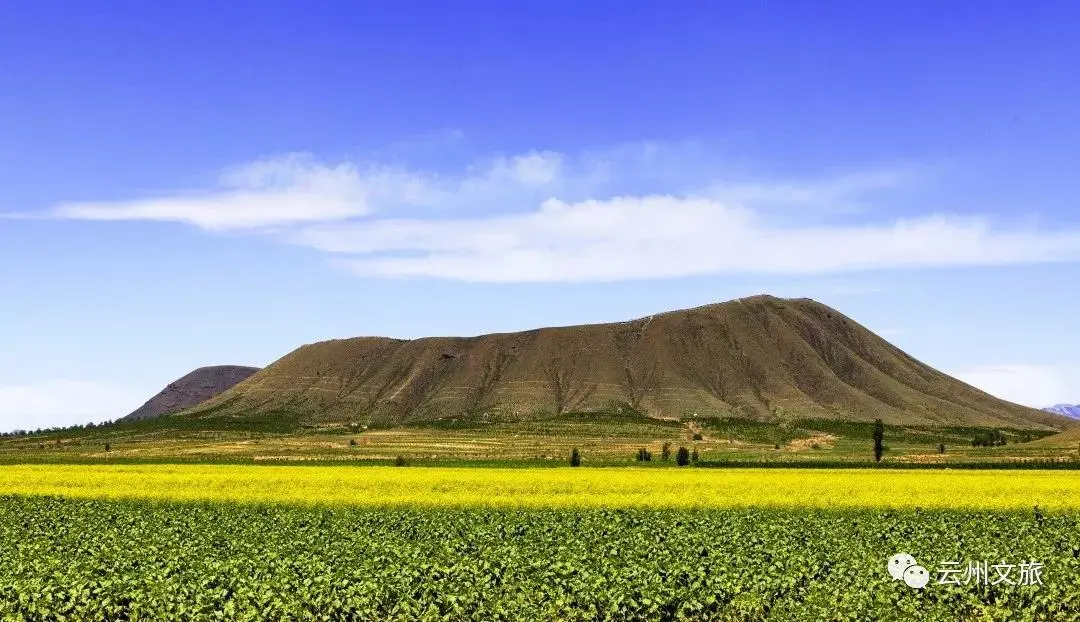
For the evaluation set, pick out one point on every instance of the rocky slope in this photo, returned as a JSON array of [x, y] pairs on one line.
[[191, 390], [759, 357]]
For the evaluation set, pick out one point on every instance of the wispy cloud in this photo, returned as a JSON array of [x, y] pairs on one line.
[[840, 193], [650, 211], [1037, 386], [664, 236], [297, 189], [287, 190]]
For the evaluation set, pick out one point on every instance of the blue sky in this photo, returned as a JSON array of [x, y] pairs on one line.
[[202, 183]]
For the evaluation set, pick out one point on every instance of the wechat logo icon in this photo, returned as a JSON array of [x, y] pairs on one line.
[[903, 567]]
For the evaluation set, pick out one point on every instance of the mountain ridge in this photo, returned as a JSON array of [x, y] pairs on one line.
[[1068, 410], [759, 357]]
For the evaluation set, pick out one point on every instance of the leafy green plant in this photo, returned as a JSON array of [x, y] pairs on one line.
[[80, 559], [990, 438]]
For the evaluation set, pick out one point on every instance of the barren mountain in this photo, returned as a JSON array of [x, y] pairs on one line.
[[759, 357], [1069, 410], [191, 390]]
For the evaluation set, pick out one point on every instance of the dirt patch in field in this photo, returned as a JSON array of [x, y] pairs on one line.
[[818, 441]]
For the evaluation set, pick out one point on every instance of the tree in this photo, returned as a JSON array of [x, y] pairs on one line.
[[941, 448], [682, 457], [400, 461], [879, 440], [993, 438], [694, 455], [108, 447], [644, 455], [575, 457], [665, 452]]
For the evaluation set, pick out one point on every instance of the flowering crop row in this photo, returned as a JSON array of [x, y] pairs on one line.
[[556, 487]]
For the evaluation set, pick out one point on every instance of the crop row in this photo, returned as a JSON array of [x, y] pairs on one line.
[[74, 559], [626, 487]]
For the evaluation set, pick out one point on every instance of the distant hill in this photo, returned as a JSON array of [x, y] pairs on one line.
[[761, 357], [191, 390], [1069, 437], [1065, 409]]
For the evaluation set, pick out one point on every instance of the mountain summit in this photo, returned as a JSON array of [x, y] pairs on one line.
[[192, 390], [762, 357]]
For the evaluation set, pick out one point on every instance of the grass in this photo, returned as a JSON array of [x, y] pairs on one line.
[[604, 439], [538, 488]]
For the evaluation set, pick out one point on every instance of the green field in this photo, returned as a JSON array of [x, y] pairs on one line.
[[248, 525], [69, 559], [603, 439]]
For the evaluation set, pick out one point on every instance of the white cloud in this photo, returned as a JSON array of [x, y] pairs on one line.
[[839, 189], [546, 216], [296, 188], [1038, 386], [63, 403], [531, 169], [264, 193], [667, 236]]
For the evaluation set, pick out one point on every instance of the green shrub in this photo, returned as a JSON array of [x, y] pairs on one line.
[[879, 440], [993, 438]]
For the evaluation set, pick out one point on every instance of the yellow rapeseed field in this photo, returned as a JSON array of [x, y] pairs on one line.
[[561, 487]]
